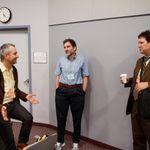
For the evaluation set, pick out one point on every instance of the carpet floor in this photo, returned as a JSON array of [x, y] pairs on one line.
[[37, 130]]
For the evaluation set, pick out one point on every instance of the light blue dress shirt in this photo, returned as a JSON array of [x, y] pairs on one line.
[[72, 71]]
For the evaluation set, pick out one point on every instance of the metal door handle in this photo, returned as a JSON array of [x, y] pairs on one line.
[[27, 81]]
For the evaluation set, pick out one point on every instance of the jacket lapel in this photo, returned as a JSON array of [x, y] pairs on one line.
[[1, 81], [147, 67]]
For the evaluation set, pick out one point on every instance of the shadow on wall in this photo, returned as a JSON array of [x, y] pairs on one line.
[[96, 102], [121, 123], [105, 104]]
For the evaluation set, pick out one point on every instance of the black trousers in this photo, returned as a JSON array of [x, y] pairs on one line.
[[6, 135], [15, 111], [141, 132], [73, 97]]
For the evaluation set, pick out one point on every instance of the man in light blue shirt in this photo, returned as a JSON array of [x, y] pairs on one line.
[[71, 71], [71, 83]]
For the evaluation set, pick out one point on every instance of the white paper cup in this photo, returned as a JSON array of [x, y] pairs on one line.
[[123, 78]]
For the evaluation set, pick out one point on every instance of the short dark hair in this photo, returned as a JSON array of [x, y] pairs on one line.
[[4, 49], [146, 35], [71, 41]]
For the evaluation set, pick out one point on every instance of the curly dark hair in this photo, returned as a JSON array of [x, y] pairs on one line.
[[71, 41]]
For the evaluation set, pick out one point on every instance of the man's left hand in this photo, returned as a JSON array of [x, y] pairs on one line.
[[31, 99], [141, 86]]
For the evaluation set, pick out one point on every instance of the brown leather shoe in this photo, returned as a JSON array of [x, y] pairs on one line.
[[20, 146]]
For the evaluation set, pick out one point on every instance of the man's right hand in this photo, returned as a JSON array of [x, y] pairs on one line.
[[4, 113]]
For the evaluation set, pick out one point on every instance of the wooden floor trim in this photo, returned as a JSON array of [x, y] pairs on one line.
[[89, 140]]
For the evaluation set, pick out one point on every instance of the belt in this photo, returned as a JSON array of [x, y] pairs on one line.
[[7, 104], [67, 86]]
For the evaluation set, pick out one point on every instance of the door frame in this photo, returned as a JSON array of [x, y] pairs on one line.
[[27, 28]]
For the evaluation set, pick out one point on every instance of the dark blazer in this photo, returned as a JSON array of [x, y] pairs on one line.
[[132, 82], [19, 93]]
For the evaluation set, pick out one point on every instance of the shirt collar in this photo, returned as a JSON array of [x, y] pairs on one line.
[[73, 57], [147, 57], [3, 68]]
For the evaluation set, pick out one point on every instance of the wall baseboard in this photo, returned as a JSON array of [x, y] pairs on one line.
[[89, 140]]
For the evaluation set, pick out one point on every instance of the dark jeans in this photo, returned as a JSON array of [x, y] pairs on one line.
[[141, 132], [73, 97], [16, 111]]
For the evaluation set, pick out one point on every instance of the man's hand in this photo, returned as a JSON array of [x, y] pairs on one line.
[[4, 113], [10, 93], [141, 86], [31, 99], [122, 81]]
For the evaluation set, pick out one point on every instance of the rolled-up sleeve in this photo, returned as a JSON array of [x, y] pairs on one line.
[[85, 71], [58, 69]]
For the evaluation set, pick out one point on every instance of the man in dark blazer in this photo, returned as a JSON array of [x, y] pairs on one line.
[[140, 125], [10, 106]]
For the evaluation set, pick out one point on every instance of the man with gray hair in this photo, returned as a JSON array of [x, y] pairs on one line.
[[10, 94]]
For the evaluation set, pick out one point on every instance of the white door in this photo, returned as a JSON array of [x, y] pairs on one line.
[[19, 37]]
